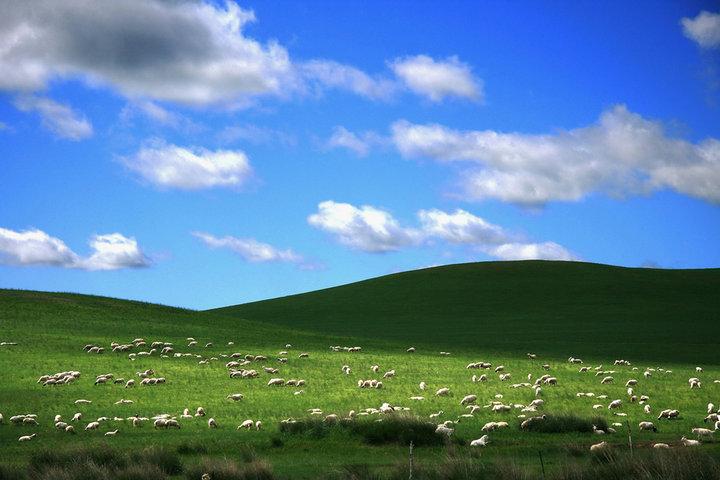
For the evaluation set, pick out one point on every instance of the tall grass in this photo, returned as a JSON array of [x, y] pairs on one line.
[[567, 423], [397, 429]]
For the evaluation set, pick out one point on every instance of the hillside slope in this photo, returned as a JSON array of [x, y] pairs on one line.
[[563, 308]]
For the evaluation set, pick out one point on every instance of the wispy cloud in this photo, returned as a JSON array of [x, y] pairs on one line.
[[438, 79], [60, 119], [704, 29], [189, 168]]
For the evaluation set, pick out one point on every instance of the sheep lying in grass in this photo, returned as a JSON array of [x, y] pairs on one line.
[[480, 442], [599, 447]]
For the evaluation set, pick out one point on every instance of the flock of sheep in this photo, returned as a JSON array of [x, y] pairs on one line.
[[526, 414]]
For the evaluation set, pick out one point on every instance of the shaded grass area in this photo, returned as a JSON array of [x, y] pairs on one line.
[[567, 423], [400, 429], [159, 464], [543, 306]]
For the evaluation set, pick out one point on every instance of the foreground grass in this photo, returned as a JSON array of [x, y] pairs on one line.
[[52, 328]]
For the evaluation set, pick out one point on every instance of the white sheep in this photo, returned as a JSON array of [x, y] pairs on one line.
[[212, 423], [647, 426], [443, 392], [689, 443], [92, 426], [660, 445], [598, 447], [111, 433], [468, 399], [703, 432], [27, 438], [247, 424], [235, 397], [480, 442]]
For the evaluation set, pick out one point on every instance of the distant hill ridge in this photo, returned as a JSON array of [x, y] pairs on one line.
[[558, 308]]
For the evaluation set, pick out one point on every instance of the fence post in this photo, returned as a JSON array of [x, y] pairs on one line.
[[542, 464], [411, 460], [627, 422]]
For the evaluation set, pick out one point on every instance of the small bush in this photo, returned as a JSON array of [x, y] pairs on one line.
[[567, 424], [276, 442], [191, 448], [8, 472], [167, 461], [224, 469], [398, 429]]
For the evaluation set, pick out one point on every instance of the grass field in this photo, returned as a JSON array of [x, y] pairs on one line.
[[51, 330]]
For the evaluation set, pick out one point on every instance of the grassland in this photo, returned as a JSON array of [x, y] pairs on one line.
[[51, 330], [550, 307]]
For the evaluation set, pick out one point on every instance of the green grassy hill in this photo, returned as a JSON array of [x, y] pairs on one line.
[[559, 308]]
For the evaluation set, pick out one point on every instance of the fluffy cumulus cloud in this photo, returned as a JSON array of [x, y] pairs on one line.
[[373, 230], [363, 228], [35, 247], [703, 29], [437, 79], [621, 154], [170, 166], [187, 52], [60, 119]]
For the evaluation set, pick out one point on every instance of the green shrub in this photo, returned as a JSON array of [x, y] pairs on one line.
[[567, 423]]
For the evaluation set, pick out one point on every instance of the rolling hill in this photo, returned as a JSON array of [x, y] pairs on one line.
[[559, 308]]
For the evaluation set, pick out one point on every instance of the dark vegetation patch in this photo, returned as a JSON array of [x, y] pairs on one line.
[[398, 429], [225, 469], [567, 423]]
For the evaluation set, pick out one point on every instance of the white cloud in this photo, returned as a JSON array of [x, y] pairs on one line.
[[372, 230], [255, 134], [114, 251], [364, 228], [35, 247], [619, 155], [460, 227], [171, 166], [60, 119], [330, 74], [531, 251], [250, 249], [703, 29], [187, 52], [158, 115], [359, 143], [437, 79]]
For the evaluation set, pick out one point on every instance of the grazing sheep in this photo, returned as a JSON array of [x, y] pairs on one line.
[[423, 385], [615, 404], [669, 414], [443, 392], [276, 381], [660, 445], [468, 399], [212, 423], [375, 368], [27, 438], [690, 443], [389, 374], [710, 408], [200, 412], [480, 442], [443, 430], [247, 424], [111, 433], [236, 397], [607, 380], [410, 350], [92, 426], [646, 409], [703, 432], [647, 426]]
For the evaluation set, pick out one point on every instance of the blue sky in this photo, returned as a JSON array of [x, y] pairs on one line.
[[204, 154]]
